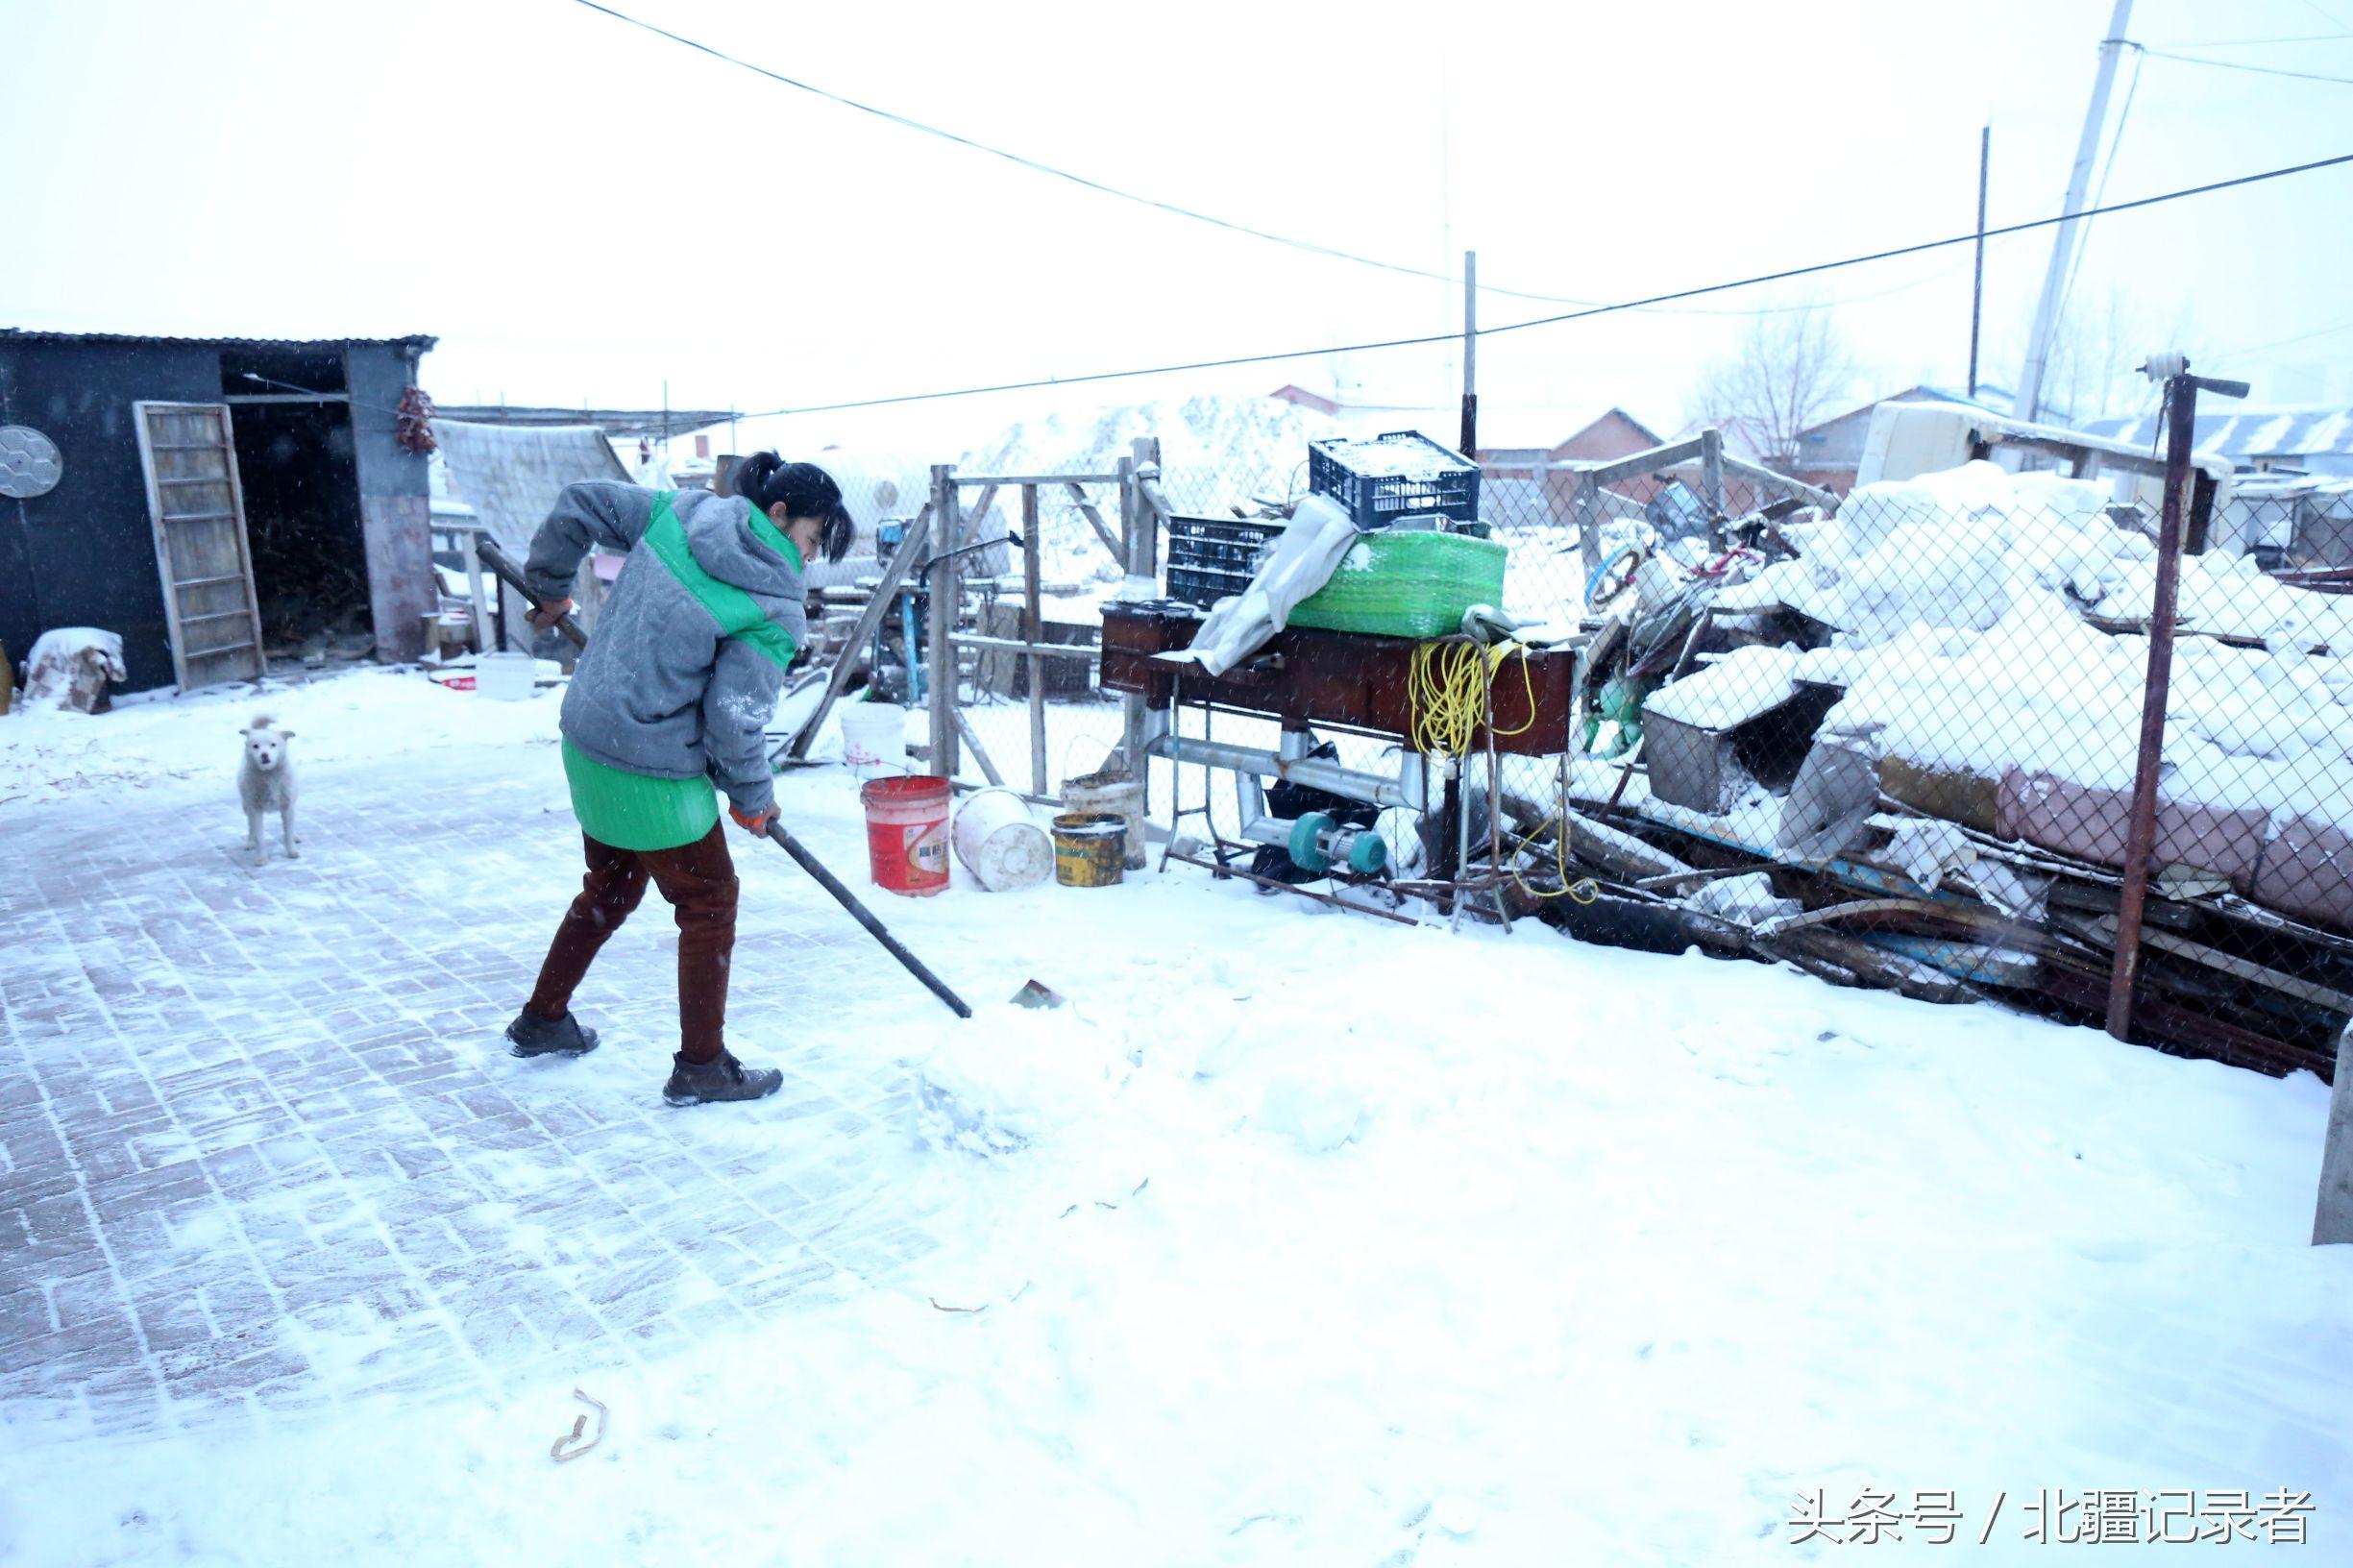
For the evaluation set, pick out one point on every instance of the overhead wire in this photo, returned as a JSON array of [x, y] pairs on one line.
[[1423, 340], [2242, 65], [1102, 187]]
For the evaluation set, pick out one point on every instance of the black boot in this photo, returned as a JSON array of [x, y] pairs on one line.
[[701, 1083], [531, 1035]]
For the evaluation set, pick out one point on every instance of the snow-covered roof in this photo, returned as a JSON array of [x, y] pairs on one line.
[[2272, 487], [1994, 400], [2236, 433]]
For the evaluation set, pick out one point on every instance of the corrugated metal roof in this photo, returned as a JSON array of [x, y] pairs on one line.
[[2248, 432], [511, 474], [420, 341], [621, 422]]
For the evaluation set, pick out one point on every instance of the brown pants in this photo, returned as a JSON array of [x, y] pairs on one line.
[[699, 881]]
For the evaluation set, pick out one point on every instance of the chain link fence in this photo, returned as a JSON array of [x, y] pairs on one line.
[[1893, 738]]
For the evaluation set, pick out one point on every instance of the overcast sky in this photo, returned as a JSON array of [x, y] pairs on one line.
[[580, 209]]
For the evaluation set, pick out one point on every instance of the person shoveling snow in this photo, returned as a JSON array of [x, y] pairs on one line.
[[673, 693]]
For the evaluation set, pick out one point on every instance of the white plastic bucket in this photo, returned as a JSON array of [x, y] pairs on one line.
[[874, 738], [510, 677], [999, 842], [1116, 794]]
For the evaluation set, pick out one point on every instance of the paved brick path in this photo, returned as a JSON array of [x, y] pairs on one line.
[[259, 1145]]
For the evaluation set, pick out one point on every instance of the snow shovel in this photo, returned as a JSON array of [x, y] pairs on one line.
[[501, 563]]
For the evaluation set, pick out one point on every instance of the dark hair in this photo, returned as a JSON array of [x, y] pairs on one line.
[[803, 490]]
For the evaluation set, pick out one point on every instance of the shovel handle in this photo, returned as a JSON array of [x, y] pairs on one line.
[[503, 567], [865, 916]]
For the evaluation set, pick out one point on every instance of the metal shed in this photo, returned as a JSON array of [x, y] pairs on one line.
[[210, 498]]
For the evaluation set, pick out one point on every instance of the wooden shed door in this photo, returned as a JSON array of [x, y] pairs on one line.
[[199, 510]]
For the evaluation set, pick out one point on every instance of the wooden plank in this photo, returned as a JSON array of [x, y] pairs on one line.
[[182, 533], [980, 752], [1087, 508], [1010, 480], [972, 518], [1033, 627], [1811, 494], [2230, 963], [143, 427], [472, 560], [1641, 462], [894, 573], [1015, 644]]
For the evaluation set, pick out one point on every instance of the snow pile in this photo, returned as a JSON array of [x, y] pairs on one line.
[[1739, 686], [1959, 600], [371, 715], [1013, 1075], [1216, 451]]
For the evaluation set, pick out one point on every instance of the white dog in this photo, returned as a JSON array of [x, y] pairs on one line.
[[265, 783]]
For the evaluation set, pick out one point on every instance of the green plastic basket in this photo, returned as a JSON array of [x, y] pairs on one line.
[[1407, 584]]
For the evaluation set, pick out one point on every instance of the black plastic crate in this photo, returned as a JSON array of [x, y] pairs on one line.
[[1202, 586], [1221, 542], [1374, 500]]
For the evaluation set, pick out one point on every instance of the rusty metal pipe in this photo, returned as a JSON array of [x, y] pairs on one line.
[[2141, 832]]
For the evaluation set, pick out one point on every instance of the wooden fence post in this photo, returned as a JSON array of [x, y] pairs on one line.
[[1130, 706], [1711, 480], [946, 602], [1588, 527], [1033, 630], [2333, 1217]]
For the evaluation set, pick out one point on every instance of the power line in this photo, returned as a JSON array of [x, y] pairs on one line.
[[2300, 337], [1099, 187], [2256, 43], [2240, 65], [1785, 274]]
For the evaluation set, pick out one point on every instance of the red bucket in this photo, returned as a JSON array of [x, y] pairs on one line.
[[906, 834]]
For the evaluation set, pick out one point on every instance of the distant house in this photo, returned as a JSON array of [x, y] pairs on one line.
[[1519, 477], [1829, 452], [2309, 439], [1305, 398], [1612, 433]]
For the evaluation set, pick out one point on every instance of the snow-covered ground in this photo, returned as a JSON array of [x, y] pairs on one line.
[[1296, 1237]]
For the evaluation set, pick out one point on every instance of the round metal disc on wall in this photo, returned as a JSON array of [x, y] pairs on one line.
[[29, 462]]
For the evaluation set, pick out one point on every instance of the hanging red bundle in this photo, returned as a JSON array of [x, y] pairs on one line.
[[415, 430]]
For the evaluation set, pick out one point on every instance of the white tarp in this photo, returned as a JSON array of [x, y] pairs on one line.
[[511, 473]]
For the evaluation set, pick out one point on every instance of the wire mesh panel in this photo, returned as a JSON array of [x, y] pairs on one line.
[[1050, 555], [1893, 738], [1917, 725]]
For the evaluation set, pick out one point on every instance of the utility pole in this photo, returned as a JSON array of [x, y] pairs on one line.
[[1976, 290], [1470, 355], [2029, 399]]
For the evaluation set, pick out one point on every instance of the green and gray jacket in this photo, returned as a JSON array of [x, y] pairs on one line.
[[680, 680]]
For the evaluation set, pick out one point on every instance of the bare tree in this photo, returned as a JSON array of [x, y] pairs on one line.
[[1789, 371], [2094, 356]]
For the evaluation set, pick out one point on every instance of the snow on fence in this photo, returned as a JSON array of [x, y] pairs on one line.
[[1977, 642]]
